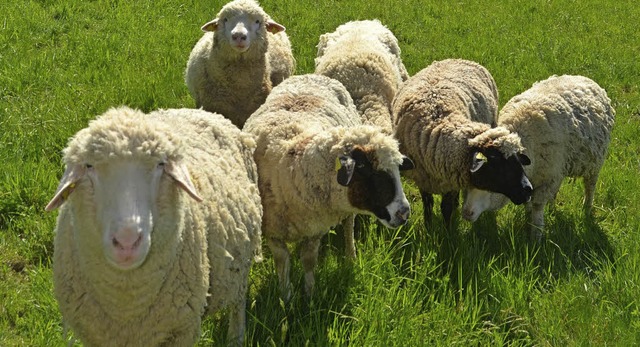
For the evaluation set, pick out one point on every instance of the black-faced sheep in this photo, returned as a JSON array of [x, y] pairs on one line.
[[442, 118], [564, 124], [241, 56], [160, 218], [317, 165]]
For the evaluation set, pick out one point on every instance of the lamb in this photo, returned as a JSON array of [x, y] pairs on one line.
[[317, 165], [443, 117], [365, 57], [159, 218], [564, 124], [241, 56]]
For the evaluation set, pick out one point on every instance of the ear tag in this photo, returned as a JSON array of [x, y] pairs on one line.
[[338, 164], [66, 192], [480, 156]]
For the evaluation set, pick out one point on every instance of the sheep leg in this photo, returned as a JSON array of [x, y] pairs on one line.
[[283, 264], [537, 221], [237, 321], [309, 259], [589, 191], [427, 207], [348, 225], [448, 205]]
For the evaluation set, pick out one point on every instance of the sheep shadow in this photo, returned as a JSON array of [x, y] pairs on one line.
[[270, 321]]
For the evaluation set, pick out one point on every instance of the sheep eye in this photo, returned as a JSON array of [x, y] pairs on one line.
[[88, 166], [224, 20], [161, 164], [257, 21]]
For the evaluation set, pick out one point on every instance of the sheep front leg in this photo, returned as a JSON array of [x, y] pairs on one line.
[[537, 221], [427, 207], [309, 259], [237, 322], [349, 242], [281, 259]]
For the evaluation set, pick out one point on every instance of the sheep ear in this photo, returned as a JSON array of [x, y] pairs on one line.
[[344, 167], [274, 27], [180, 174], [407, 164], [66, 186], [524, 159], [479, 159], [210, 26]]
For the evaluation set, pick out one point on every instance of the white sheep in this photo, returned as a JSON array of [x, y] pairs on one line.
[[564, 124], [317, 165], [365, 57], [437, 114], [160, 216], [241, 56]]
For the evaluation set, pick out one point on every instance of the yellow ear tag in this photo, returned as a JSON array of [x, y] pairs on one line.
[[338, 164], [481, 156], [66, 192]]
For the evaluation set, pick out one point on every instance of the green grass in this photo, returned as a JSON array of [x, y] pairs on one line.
[[63, 62]]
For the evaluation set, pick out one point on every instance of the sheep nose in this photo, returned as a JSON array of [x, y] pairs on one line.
[[403, 213], [127, 239], [239, 36]]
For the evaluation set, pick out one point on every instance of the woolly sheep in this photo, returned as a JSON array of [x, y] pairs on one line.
[[365, 57], [136, 260], [564, 124], [437, 114], [241, 56], [317, 165]]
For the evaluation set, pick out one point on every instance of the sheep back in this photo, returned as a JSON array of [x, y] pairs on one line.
[[365, 57]]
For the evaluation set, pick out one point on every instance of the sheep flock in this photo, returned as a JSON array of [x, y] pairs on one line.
[[162, 214]]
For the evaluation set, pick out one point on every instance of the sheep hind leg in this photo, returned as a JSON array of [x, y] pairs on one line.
[[309, 259], [282, 261], [589, 192]]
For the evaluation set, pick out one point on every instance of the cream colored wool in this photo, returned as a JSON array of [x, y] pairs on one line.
[[365, 57], [437, 114], [235, 84], [305, 124], [564, 124], [201, 252]]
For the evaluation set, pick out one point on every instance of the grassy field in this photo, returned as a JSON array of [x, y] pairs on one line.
[[62, 62]]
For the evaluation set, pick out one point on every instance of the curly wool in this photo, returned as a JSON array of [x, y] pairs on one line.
[[200, 253], [365, 57], [437, 114], [564, 124], [298, 140], [235, 84]]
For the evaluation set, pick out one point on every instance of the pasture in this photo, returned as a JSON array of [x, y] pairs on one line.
[[63, 62]]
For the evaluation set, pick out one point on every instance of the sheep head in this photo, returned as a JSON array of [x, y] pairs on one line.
[[372, 189], [241, 23], [117, 191]]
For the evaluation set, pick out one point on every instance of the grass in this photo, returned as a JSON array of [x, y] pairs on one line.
[[63, 62]]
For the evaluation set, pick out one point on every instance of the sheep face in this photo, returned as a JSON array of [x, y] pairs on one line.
[[492, 171], [477, 201], [122, 193], [241, 23], [373, 190]]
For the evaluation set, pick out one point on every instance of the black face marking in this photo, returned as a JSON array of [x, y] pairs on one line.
[[491, 171], [369, 189]]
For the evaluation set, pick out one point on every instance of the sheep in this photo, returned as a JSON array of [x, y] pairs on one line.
[[241, 56], [317, 165], [437, 114], [365, 57], [159, 218], [564, 124]]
